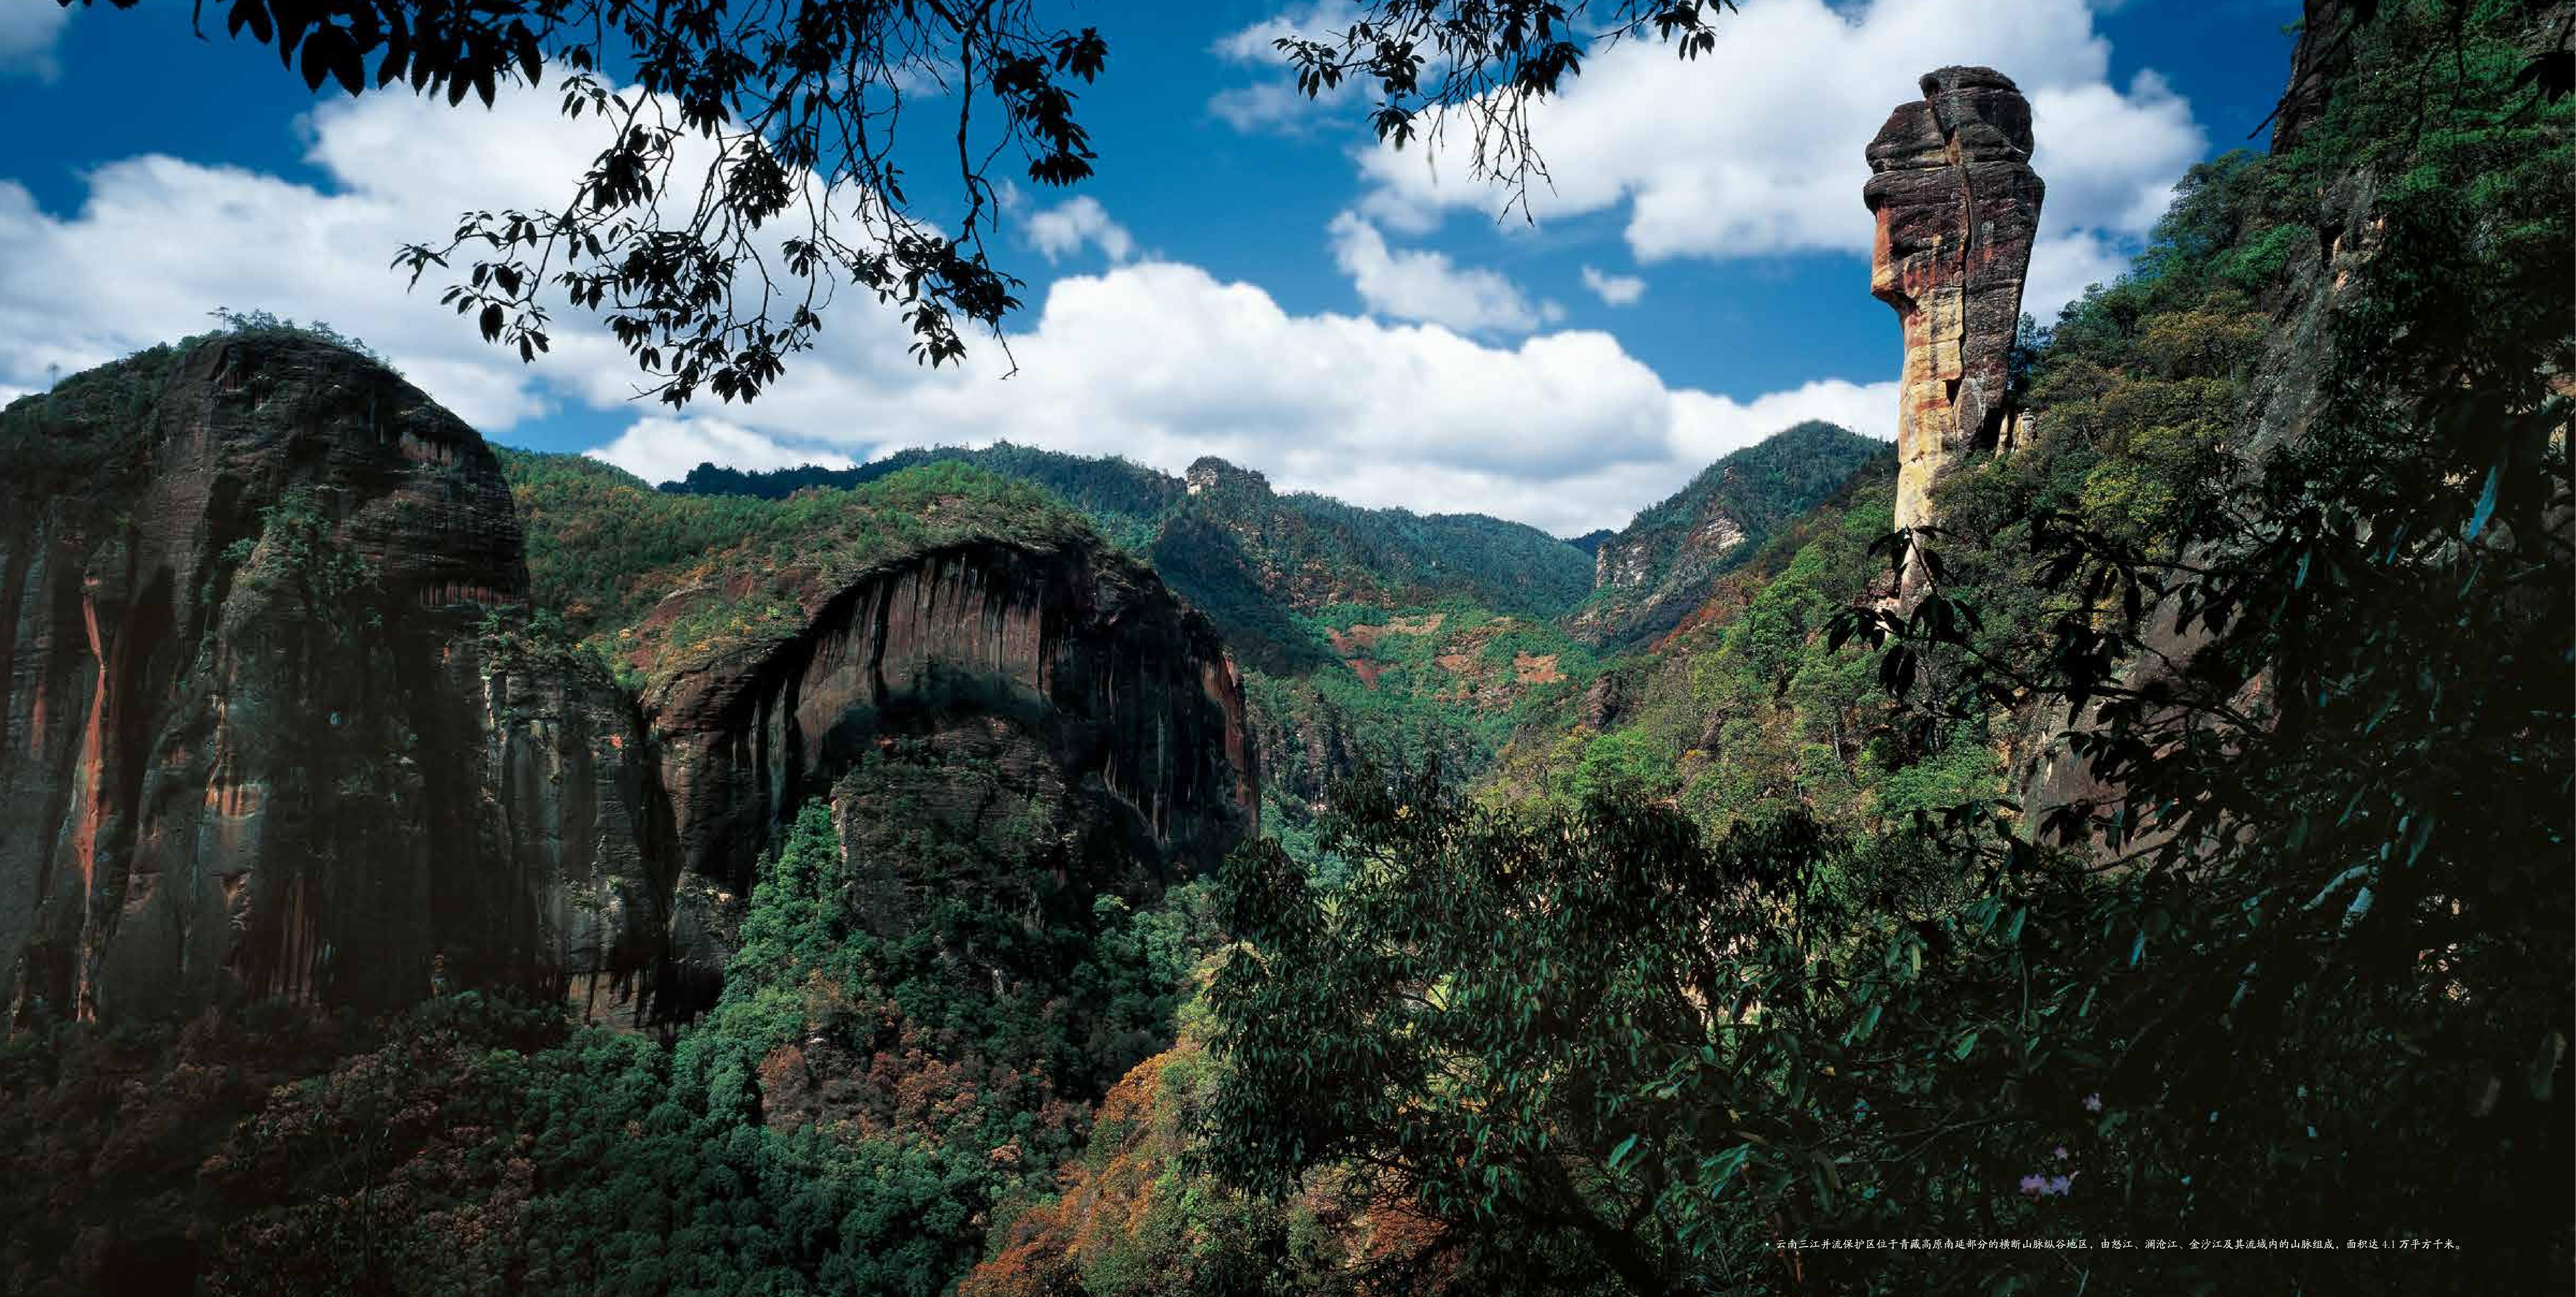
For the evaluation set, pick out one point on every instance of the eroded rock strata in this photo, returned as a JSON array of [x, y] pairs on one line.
[[1957, 207]]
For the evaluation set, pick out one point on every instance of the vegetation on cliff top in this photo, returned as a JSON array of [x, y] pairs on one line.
[[1289, 545], [604, 549]]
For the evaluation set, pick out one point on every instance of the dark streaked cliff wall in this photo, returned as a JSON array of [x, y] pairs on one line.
[[249, 748]]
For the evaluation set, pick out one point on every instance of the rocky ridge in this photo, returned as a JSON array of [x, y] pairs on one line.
[[255, 745]]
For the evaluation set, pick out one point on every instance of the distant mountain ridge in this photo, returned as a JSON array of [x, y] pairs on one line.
[[1257, 560], [1386, 635], [1252, 558], [1653, 573]]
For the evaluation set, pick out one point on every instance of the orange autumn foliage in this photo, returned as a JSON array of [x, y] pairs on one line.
[[1126, 1222]]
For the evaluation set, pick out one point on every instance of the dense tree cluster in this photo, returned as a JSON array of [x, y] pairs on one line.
[[2290, 962]]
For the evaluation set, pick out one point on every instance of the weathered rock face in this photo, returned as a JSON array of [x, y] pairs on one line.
[[251, 747], [574, 811], [1102, 703], [1075, 643], [1957, 208], [2317, 62]]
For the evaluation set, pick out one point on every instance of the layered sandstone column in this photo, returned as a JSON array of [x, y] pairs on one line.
[[1957, 206]]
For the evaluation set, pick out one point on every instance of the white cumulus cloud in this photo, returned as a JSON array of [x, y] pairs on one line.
[[1614, 290], [1272, 102], [660, 449], [1062, 230], [1163, 362], [1418, 284], [80, 289], [1149, 358], [1755, 148]]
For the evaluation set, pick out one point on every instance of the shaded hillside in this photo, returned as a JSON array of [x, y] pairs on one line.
[[2235, 713], [2275, 565], [1653, 572]]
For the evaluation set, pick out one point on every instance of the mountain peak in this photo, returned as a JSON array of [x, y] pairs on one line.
[[1208, 473]]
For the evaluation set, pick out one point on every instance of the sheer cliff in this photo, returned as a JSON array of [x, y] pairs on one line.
[[253, 743]]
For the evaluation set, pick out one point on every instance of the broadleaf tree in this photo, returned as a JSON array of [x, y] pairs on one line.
[[755, 160]]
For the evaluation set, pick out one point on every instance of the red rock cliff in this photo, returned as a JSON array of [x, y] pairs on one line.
[[251, 745], [269, 731]]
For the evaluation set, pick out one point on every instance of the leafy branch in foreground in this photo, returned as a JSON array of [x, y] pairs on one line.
[[1487, 61], [754, 160]]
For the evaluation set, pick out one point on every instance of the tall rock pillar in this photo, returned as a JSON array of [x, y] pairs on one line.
[[1957, 207]]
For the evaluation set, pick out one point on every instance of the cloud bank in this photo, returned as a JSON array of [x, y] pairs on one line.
[[28, 33]]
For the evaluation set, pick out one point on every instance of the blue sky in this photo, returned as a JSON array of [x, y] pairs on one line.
[[1246, 275]]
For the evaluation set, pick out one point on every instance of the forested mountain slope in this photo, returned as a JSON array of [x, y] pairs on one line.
[[857, 793], [1252, 558], [1651, 574], [2185, 860], [1379, 635]]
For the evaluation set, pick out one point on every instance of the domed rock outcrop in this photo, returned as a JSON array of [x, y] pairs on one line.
[[252, 745], [1054, 677]]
